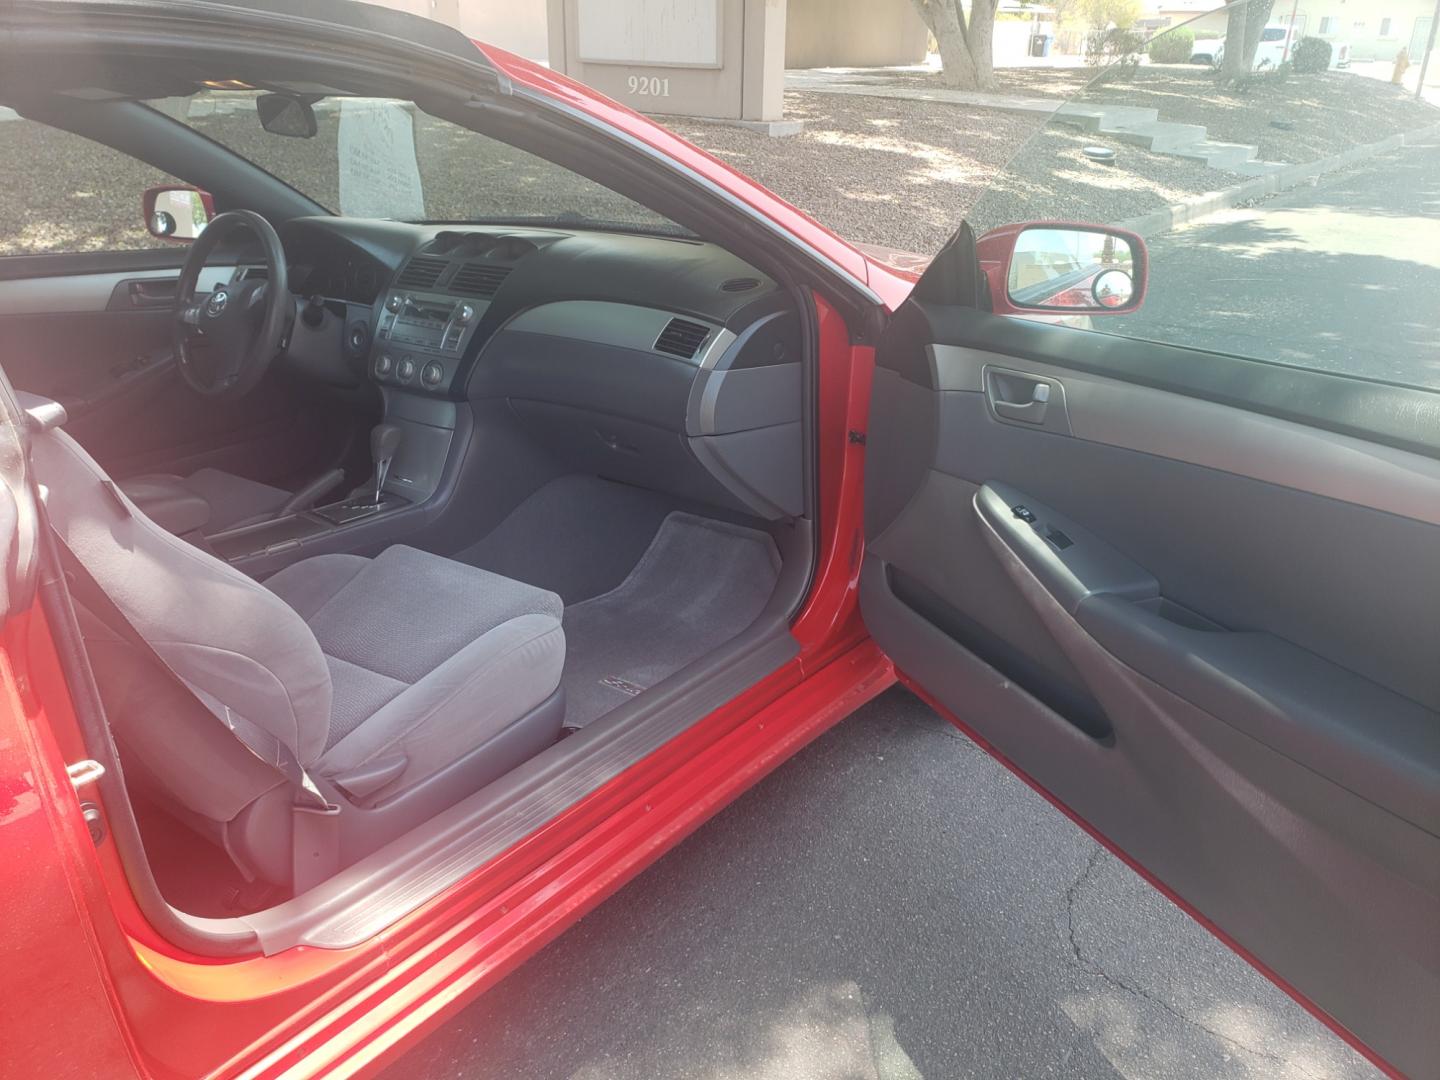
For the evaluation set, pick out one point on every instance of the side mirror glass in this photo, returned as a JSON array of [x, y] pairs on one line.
[[177, 213], [1064, 269], [1073, 269], [288, 115]]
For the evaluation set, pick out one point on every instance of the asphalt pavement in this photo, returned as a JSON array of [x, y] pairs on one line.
[[1343, 275], [891, 904]]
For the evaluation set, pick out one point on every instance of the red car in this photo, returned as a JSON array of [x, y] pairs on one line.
[[444, 489]]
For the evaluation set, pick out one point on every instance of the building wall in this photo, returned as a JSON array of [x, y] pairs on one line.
[[1362, 24], [853, 33], [515, 25]]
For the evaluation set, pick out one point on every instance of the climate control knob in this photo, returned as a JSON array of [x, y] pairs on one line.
[[394, 303], [406, 370], [432, 374], [384, 364], [464, 313]]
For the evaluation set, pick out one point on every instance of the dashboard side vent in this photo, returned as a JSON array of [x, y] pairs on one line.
[[421, 272], [740, 284], [479, 279], [682, 338]]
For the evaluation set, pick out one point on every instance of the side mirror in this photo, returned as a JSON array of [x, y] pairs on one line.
[[288, 115], [177, 213], [1064, 269]]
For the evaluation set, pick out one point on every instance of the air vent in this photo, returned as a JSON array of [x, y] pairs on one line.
[[479, 279], [740, 284], [421, 273], [682, 338]]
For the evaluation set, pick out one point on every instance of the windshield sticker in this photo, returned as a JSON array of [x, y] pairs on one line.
[[379, 174]]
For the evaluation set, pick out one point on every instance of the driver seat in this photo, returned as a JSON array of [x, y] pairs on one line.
[[210, 501]]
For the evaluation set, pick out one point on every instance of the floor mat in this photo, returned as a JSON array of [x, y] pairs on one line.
[[699, 584], [577, 536]]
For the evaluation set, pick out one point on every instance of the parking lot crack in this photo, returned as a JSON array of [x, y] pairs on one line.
[[1094, 968]]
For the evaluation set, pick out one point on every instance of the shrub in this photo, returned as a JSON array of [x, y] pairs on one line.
[[1173, 46], [1116, 51], [1311, 54]]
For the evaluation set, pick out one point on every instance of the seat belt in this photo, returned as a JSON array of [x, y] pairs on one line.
[[315, 820]]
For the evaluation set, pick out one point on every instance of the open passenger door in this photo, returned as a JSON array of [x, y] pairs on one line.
[[1196, 598]]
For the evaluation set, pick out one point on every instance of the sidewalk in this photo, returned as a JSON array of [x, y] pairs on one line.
[[880, 82]]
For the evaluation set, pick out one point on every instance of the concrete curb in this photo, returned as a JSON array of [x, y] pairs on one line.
[[1193, 210]]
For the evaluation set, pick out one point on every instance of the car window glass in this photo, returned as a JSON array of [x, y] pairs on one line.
[[378, 157], [1291, 211], [66, 194]]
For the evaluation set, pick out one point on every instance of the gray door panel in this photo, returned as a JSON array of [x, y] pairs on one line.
[[1211, 632], [99, 342]]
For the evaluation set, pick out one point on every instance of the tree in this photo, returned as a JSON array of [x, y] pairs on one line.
[[1245, 21], [965, 40], [1100, 14]]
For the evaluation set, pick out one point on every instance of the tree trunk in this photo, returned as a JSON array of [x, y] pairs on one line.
[[1255, 20], [981, 39], [965, 49], [1234, 65], [958, 66]]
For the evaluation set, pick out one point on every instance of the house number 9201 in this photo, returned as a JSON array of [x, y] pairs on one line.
[[649, 86]]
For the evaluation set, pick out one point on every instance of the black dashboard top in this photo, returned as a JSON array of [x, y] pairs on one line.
[[356, 259]]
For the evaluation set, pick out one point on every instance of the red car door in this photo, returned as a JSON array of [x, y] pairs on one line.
[[1198, 604]]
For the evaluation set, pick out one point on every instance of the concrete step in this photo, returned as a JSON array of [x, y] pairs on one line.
[[1160, 138], [1217, 155], [1258, 168], [1096, 117]]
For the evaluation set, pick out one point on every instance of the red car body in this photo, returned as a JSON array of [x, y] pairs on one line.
[[92, 990], [135, 1005]]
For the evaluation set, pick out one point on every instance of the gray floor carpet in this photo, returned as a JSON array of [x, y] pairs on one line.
[[699, 584], [577, 536]]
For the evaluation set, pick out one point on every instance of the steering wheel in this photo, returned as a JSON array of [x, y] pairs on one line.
[[225, 340]]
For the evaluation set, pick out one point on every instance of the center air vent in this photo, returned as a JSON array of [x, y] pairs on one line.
[[478, 279], [421, 272], [682, 338]]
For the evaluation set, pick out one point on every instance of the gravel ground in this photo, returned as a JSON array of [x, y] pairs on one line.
[[68, 194], [1330, 112], [876, 170], [1051, 179]]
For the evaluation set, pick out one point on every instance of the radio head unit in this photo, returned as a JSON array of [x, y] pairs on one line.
[[422, 337]]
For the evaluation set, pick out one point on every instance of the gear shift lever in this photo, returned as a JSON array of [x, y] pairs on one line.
[[384, 441]]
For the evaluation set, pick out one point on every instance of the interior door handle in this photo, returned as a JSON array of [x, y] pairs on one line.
[[152, 293], [1014, 396]]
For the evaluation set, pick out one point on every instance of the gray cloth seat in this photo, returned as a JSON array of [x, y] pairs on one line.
[[208, 500], [427, 657], [401, 683], [233, 500]]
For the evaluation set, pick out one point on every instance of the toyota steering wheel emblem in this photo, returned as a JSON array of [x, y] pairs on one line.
[[215, 306]]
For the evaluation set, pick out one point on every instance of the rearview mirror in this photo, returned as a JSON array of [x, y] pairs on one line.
[[1064, 269], [288, 115], [176, 213]]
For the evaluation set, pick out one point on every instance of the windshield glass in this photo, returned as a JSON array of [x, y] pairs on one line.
[[379, 157]]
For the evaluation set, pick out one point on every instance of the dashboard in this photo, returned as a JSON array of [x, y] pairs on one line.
[[660, 361]]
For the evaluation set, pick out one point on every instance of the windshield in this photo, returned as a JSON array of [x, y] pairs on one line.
[[380, 157]]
